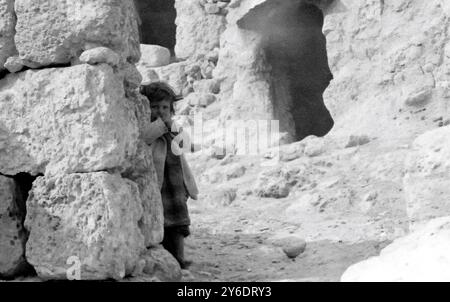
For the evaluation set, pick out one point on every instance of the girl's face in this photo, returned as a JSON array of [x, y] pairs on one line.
[[161, 109]]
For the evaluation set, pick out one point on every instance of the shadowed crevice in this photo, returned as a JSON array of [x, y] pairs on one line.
[[157, 22]]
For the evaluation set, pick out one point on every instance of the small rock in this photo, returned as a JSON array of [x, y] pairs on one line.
[[161, 264], [100, 55], [418, 98], [187, 275], [357, 140], [235, 171], [292, 246], [14, 64], [371, 196]]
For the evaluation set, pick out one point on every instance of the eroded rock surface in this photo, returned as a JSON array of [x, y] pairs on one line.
[[71, 27], [89, 219], [65, 120]]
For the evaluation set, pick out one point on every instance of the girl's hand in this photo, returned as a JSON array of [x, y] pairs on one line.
[[169, 123]]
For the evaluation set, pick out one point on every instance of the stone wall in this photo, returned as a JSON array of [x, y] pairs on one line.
[[70, 114]]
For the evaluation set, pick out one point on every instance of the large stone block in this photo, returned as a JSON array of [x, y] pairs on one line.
[[12, 233], [420, 256], [427, 182], [154, 56], [55, 32], [65, 120], [143, 173], [87, 221], [7, 24], [197, 31]]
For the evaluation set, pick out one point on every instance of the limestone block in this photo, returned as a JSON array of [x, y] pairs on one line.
[[12, 234], [143, 173], [131, 75], [55, 32], [100, 55], [84, 225], [197, 31], [422, 256], [7, 24], [65, 120], [154, 56]]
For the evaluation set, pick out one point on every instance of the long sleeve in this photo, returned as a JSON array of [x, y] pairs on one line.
[[155, 130]]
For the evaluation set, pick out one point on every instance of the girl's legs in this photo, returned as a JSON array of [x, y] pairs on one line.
[[174, 243]]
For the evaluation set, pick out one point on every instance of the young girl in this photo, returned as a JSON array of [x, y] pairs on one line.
[[174, 175]]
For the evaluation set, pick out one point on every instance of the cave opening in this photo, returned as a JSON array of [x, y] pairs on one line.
[[23, 183], [295, 48], [157, 22]]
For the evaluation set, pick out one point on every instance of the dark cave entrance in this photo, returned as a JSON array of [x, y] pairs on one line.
[[23, 184], [295, 48], [157, 22]]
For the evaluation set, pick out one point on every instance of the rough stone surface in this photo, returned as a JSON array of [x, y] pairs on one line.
[[7, 24], [174, 74], [91, 216], [357, 140], [197, 31], [12, 234], [65, 120], [200, 99], [143, 173], [275, 183], [161, 264], [222, 197], [387, 68], [72, 27], [427, 182], [100, 55], [292, 246], [154, 56], [207, 86], [420, 256], [14, 64]]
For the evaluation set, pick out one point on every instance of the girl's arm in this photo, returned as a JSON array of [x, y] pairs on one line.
[[155, 130]]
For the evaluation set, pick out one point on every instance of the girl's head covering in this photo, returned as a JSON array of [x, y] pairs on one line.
[[158, 91]]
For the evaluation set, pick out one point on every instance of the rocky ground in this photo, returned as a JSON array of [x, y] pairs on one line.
[[346, 204]]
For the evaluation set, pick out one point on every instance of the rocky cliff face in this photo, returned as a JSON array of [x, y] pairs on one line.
[[70, 116], [371, 77], [390, 64], [364, 74]]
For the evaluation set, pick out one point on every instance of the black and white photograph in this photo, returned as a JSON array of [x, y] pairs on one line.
[[246, 143]]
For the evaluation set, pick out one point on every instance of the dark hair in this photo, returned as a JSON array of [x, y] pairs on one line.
[[158, 91]]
